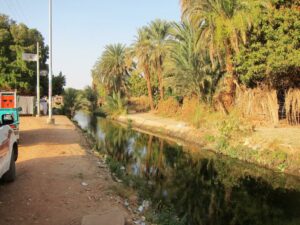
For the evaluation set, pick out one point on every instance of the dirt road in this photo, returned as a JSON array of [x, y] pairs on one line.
[[51, 169]]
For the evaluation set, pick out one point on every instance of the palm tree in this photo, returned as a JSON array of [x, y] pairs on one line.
[[72, 102], [142, 51], [111, 68], [158, 34], [224, 24], [188, 67], [88, 100]]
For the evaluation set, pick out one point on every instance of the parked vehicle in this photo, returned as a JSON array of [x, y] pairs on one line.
[[9, 113], [8, 153], [10, 116], [8, 99]]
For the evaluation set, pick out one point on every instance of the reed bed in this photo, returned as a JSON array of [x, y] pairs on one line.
[[259, 104], [292, 106]]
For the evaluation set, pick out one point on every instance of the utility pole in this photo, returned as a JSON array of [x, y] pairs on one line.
[[38, 79], [50, 119]]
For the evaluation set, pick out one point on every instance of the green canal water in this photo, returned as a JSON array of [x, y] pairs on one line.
[[190, 186]]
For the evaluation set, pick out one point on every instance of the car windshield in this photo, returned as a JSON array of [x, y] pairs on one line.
[[7, 119]]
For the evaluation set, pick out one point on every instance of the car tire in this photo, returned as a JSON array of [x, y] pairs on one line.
[[10, 175]]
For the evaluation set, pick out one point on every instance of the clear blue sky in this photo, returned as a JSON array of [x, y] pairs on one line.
[[81, 28]]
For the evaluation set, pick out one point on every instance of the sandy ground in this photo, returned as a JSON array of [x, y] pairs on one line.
[[51, 167]]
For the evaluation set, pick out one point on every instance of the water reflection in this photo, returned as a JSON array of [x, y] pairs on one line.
[[202, 188]]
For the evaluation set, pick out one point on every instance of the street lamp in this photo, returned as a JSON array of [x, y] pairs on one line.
[[50, 119]]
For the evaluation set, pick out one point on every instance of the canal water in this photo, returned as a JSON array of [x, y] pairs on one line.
[[190, 186]]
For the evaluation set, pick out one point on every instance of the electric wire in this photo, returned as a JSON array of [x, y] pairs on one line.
[[20, 7], [16, 11], [13, 10], [9, 10]]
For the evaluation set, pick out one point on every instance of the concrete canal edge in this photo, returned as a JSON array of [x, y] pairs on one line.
[[186, 135], [179, 132]]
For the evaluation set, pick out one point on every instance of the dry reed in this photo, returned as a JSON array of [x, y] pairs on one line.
[[259, 104], [292, 106]]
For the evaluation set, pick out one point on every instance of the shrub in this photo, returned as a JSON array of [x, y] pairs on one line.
[[193, 111], [139, 104], [72, 102], [168, 107], [114, 105]]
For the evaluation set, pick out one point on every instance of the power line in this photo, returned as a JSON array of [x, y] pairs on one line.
[[12, 14], [15, 10], [18, 11], [20, 7]]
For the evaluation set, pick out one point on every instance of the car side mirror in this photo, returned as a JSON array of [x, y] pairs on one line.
[[19, 109]]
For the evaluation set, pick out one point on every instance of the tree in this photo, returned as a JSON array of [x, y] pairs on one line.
[[188, 68], [72, 102], [273, 55], [158, 34], [14, 40], [142, 51], [58, 83], [137, 85], [111, 68], [224, 25], [88, 100]]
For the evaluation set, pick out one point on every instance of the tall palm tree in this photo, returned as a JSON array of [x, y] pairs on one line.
[[224, 24], [142, 51], [111, 68], [158, 34], [188, 68]]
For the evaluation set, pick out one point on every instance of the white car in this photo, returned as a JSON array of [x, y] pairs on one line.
[[8, 153]]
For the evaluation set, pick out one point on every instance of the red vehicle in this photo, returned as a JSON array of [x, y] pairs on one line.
[[8, 100], [9, 113]]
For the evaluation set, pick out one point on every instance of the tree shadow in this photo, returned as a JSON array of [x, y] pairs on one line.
[[49, 191], [48, 137]]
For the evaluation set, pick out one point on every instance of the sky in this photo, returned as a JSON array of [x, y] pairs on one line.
[[82, 28]]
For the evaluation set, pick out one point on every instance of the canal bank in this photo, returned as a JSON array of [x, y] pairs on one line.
[[273, 148], [180, 185]]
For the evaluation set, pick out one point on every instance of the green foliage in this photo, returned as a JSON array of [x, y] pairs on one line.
[[72, 102], [115, 105], [189, 71], [158, 31], [142, 52], [58, 83], [273, 55], [14, 72], [85, 100], [111, 69], [115, 167], [223, 24], [209, 138], [229, 126], [254, 42], [285, 3], [88, 100], [165, 216], [137, 85]]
